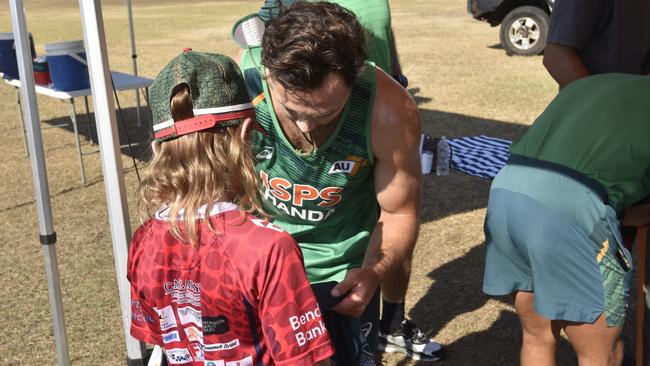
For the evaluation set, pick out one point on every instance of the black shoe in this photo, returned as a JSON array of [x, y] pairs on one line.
[[410, 340]]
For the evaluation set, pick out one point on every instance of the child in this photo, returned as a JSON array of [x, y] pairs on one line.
[[210, 283]]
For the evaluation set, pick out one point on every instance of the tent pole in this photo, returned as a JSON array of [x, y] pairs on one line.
[[39, 176], [134, 58], [109, 147]]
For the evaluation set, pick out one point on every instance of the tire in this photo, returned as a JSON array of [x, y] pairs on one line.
[[524, 31]]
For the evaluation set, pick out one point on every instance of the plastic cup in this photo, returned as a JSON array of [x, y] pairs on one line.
[[427, 161]]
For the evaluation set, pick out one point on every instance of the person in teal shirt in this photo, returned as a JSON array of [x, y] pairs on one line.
[[552, 228]]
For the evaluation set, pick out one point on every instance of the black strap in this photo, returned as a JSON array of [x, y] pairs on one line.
[[591, 183], [48, 239]]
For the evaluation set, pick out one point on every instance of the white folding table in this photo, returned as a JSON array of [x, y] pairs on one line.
[[121, 82]]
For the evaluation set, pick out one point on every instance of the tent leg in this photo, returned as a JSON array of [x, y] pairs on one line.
[[39, 175], [109, 148], [137, 108], [56, 304], [149, 114], [73, 118], [89, 126], [22, 122]]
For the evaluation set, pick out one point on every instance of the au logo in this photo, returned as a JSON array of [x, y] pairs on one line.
[[350, 166]]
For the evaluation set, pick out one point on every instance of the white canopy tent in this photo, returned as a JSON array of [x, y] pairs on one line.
[[109, 146]]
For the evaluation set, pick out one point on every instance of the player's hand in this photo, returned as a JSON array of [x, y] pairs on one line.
[[358, 287]]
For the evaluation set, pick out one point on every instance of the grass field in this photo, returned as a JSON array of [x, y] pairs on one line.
[[464, 85]]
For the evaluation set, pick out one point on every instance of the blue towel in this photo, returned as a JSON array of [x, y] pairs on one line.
[[481, 156]]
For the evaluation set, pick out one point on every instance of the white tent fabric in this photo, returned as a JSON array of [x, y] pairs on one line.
[[104, 106]]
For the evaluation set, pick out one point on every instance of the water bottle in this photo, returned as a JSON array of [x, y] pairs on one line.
[[442, 157]]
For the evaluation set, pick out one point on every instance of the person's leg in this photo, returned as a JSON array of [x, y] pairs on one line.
[[596, 344], [540, 335], [398, 334], [393, 293]]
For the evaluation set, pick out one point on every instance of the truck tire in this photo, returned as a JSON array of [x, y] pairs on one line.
[[524, 31]]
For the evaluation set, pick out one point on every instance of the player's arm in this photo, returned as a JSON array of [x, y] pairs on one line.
[[564, 64], [395, 134], [145, 325], [572, 24]]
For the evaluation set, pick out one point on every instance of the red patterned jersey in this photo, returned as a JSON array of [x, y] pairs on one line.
[[241, 299]]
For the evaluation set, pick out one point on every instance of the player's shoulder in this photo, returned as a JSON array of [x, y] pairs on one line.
[[393, 103], [394, 110], [143, 233], [255, 241]]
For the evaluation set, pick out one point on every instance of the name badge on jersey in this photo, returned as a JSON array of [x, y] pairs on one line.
[[343, 166]]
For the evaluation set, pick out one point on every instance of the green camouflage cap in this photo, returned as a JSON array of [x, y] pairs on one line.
[[217, 89]]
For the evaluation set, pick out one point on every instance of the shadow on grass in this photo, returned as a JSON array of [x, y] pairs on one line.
[[459, 192], [497, 345], [130, 133]]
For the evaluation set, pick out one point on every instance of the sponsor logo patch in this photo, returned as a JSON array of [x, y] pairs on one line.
[[184, 292], [194, 334], [166, 317], [311, 318], [138, 314], [197, 351], [215, 325], [178, 356], [350, 165], [222, 346], [171, 337], [298, 200], [189, 315], [248, 361], [342, 166]]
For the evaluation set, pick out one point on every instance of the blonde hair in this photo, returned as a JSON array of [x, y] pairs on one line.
[[198, 169]]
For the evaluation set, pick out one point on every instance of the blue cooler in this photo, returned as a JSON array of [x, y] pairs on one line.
[[8, 63], [67, 64]]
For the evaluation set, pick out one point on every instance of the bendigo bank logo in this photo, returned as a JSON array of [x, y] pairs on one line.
[[290, 198], [307, 326]]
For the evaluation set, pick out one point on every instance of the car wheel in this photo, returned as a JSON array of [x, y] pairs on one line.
[[524, 30]]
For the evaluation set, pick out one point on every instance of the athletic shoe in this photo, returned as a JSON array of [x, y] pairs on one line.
[[410, 340]]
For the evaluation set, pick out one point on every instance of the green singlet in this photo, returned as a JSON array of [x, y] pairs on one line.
[[598, 126], [251, 59], [374, 15], [325, 199]]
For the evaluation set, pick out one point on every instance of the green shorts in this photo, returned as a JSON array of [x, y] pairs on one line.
[[549, 234]]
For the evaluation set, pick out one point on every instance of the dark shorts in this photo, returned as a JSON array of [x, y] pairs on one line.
[[549, 234], [355, 339]]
